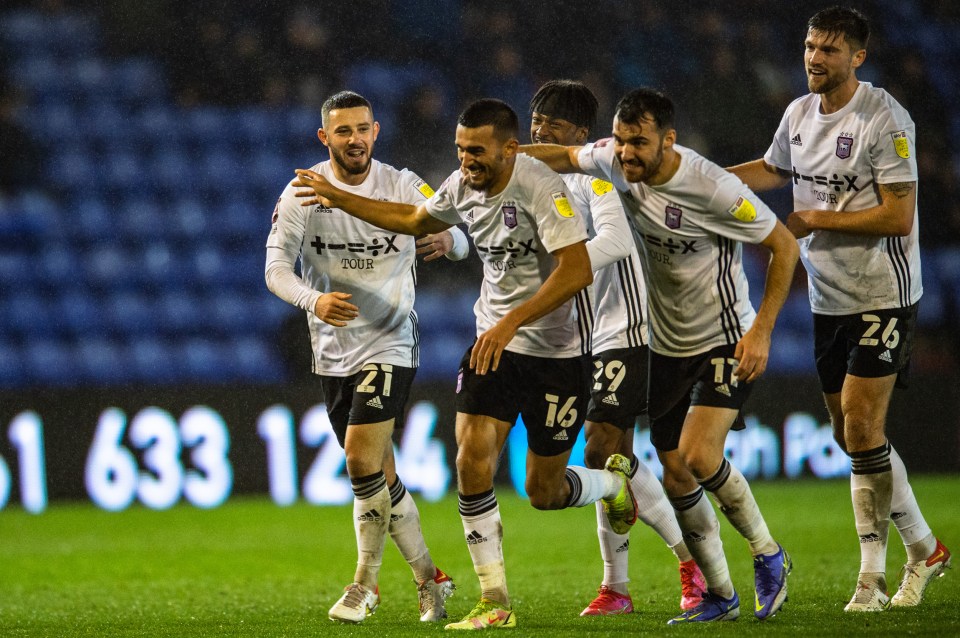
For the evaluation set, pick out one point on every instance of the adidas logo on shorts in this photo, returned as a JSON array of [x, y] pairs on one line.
[[611, 399], [885, 356], [375, 403], [561, 436], [723, 389]]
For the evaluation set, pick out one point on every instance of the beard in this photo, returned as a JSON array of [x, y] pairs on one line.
[[351, 168], [649, 168], [820, 84]]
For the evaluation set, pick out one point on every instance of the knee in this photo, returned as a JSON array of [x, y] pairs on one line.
[[701, 463], [543, 498], [595, 455]]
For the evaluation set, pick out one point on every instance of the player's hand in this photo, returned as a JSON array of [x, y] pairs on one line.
[[334, 309], [318, 188], [798, 223], [753, 352], [486, 352], [435, 246]]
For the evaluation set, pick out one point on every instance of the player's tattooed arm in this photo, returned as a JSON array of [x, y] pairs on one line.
[[893, 217], [898, 190]]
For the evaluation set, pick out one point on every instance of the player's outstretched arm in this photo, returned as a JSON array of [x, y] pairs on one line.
[[571, 275], [562, 159], [892, 218], [753, 350], [451, 243], [760, 176], [393, 216]]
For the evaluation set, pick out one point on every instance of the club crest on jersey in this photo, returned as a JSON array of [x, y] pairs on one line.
[[844, 146], [509, 216], [672, 217]]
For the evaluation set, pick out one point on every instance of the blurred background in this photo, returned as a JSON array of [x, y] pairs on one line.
[[143, 146]]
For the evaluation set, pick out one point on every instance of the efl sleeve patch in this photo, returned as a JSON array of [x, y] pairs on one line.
[[562, 203], [424, 188], [743, 210], [601, 187], [900, 144]]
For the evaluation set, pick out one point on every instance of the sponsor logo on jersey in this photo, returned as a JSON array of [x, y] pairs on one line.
[[671, 245], [672, 216], [424, 188], [601, 187], [509, 216], [520, 248], [837, 181], [562, 203], [844, 146], [375, 403], [743, 210], [796, 141], [611, 399], [375, 248], [900, 144], [885, 356]]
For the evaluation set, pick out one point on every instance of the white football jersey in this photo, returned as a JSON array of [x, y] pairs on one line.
[[618, 293], [514, 233], [836, 162], [340, 253], [690, 230]]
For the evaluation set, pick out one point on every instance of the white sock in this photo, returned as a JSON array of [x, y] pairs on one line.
[[371, 516], [734, 498], [701, 530], [589, 486], [905, 513], [654, 507], [407, 535], [871, 487], [614, 550], [483, 528]]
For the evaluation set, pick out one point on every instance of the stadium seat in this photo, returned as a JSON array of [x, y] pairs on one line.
[[80, 313], [253, 360], [108, 267], [50, 362], [204, 358], [130, 313], [17, 270], [102, 361], [180, 313], [155, 360], [12, 367], [27, 314]]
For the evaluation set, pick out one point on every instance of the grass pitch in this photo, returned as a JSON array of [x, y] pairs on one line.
[[252, 568]]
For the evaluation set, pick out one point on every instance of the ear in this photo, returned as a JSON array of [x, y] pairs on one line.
[[858, 58], [322, 136], [581, 135], [376, 130], [669, 139], [511, 148]]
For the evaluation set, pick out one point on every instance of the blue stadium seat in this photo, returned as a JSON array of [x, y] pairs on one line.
[[102, 361], [792, 353], [124, 171], [180, 312], [58, 268], [161, 124], [155, 360], [130, 313], [172, 169], [163, 267], [11, 365], [80, 313], [17, 270], [189, 218], [208, 125], [50, 362], [27, 313], [76, 170], [139, 81], [95, 219], [109, 267], [255, 361], [141, 217], [205, 359]]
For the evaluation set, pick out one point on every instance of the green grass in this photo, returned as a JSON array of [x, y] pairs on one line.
[[251, 568]]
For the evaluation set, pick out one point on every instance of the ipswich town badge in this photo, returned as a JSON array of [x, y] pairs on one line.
[[844, 146], [509, 216], [672, 217]]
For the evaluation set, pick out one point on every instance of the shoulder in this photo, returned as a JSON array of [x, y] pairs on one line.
[[878, 101]]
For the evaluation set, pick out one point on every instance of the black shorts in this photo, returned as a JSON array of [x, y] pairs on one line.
[[550, 395], [619, 391], [676, 383], [868, 344], [377, 393]]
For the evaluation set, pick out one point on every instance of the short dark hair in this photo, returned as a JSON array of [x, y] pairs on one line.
[[343, 100], [644, 104], [570, 100], [845, 21], [490, 111]]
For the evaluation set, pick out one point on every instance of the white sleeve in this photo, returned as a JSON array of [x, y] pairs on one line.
[[614, 238], [283, 250], [461, 247]]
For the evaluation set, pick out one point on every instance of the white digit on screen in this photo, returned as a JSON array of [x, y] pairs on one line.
[[155, 431], [275, 427], [4, 483], [26, 434], [421, 459], [323, 484], [203, 429], [111, 471]]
